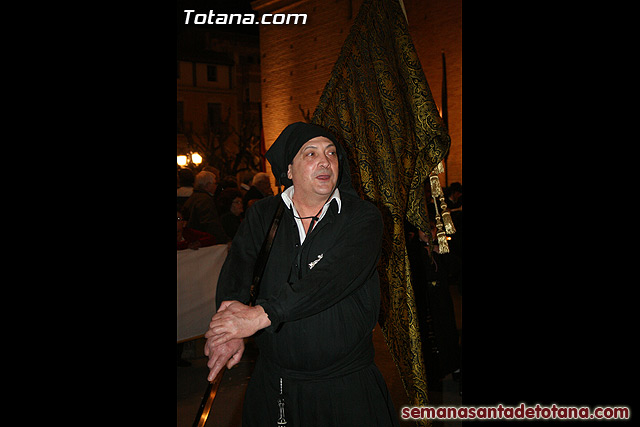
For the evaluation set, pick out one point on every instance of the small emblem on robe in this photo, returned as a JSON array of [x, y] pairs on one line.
[[312, 264]]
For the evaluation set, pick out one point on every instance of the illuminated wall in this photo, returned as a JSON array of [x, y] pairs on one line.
[[297, 59]]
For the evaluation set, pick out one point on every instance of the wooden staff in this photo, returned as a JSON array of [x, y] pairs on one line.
[[261, 262]]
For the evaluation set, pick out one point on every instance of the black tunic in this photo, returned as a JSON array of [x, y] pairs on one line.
[[322, 316], [436, 315]]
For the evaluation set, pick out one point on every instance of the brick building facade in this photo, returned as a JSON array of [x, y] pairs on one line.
[[297, 59]]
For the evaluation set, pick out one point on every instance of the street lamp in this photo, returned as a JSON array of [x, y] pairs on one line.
[[196, 158]]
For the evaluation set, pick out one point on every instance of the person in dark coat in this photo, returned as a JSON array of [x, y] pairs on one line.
[[430, 274], [200, 209], [229, 204], [319, 298], [190, 238], [260, 187]]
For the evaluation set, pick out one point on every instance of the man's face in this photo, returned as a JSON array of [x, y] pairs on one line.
[[314, 170], [236, 206]]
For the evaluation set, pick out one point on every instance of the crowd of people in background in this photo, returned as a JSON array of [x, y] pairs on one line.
[[211, 207]]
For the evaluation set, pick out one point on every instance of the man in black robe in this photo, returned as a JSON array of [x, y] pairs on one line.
[[319, 298]]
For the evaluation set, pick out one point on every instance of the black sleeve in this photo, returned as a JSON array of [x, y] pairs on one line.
[[347, 266], [237, 271]]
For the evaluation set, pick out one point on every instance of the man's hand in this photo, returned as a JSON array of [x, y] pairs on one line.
[[229, 353], [235, 320]]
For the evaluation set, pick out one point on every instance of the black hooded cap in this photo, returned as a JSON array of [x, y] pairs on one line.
[[287, 145]]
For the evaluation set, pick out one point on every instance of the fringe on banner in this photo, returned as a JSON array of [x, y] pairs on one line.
[[436, 188], [446, 217], [444, 224]]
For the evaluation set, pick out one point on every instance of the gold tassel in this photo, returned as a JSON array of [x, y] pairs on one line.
[[446, 217], [436, 192], [448, 223], [440, 234], [442, 243], [439, 168], [436, 188]]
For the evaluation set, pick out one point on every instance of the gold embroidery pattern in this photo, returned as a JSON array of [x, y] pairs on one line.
[[378, 103]]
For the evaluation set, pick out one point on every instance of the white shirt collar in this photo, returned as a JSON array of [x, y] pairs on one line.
[[287, 196]]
